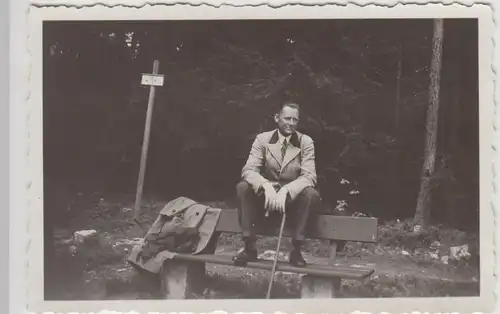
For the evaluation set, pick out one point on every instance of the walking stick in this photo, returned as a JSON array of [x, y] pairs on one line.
[[271, 280]]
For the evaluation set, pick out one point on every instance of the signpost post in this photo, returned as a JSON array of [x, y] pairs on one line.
[[151, 79]]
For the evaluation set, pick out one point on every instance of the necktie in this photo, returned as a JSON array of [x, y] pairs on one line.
[[283, 149]]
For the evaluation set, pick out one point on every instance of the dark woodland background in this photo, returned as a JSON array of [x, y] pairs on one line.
[[363, 87]]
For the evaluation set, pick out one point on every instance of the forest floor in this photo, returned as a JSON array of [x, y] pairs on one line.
[[405, 264]]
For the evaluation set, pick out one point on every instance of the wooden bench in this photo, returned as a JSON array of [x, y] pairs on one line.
[[183, 276]]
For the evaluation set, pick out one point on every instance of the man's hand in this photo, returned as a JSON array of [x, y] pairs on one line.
[[280, 203], [270, 194]]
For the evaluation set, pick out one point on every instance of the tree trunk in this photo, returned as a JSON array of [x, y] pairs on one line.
[[452, 131], [396, 176], [422, 213]]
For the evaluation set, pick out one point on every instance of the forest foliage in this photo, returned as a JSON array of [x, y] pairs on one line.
[[363, 87]]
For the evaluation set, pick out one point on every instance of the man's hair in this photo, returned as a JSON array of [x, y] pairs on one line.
[[288, 104]]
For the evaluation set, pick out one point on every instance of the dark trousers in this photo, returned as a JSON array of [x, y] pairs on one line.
[[251, 210]]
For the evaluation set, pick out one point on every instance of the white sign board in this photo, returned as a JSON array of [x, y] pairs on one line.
[[152, 79]]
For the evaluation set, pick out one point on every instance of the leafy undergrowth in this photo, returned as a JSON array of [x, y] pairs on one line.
[[406, 264]]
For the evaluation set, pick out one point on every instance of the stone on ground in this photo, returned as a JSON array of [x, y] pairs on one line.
[[271, 255], [459, 252], [86, 237]]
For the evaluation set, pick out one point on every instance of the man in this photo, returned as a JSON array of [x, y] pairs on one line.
[[279, 175]]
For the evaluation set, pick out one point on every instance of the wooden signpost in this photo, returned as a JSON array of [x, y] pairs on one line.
[[151, 79]]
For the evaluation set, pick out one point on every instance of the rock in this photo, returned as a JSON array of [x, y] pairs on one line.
[[67, 241], [419, 252], [435, 245], [270, 254], [129, 242], [85, 237], [85, 233], [444, 259], [358, 214], [378, 250], [405, 253], [72, 249], [459, 252], [344, 181], [417, 229], [434, 256], [359, 266]]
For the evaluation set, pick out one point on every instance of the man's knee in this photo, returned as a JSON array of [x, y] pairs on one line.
[[243, 188], [310, 193]]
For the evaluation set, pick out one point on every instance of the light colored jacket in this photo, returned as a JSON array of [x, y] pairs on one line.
[[297, 170]]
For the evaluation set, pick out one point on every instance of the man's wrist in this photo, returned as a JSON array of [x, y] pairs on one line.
[[267, 185], [285, 189]]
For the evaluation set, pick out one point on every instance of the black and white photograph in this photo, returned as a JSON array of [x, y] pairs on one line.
[[260, 158]]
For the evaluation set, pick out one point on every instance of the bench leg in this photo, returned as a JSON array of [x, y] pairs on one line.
[[181, 280], [318, 287]]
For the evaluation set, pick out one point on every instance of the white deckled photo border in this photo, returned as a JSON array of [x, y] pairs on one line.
[[49, 10]]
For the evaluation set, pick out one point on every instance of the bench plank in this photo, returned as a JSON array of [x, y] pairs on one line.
[[330, 271], [342, 228]]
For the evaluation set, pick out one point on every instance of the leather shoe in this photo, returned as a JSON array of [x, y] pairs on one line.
[[296, 259], [245, 256]]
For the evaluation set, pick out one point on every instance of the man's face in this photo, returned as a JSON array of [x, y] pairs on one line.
[[287, 120]]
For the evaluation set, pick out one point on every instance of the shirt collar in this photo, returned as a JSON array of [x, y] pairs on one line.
[[281, 138]]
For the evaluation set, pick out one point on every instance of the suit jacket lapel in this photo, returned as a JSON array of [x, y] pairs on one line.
[[275, 149], [291, 153]]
